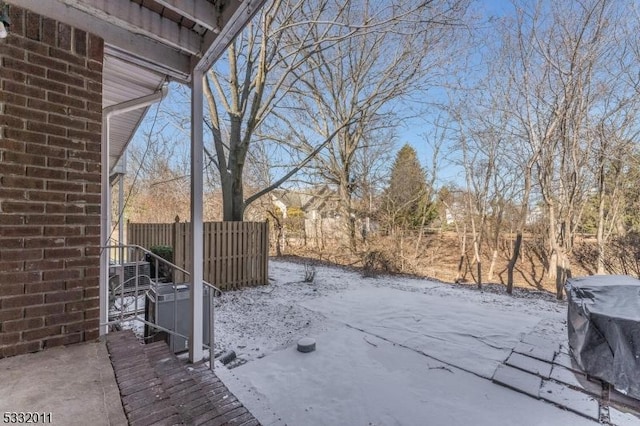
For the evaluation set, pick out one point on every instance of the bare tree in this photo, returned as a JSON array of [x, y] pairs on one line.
[[361, 81], [157, 185], [529, 127], [615, 152], [613, 158], [268, 62], [554, 53], [453, 199], [481, 140]]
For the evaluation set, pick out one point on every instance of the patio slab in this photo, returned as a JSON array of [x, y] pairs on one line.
[[532, 365], [566, 361], [469, 335], [576, 380], [76, 384], [543, 353], [621, 418], [518, 380], [563, 384], [357, 378], [570, 399], [541, 342]]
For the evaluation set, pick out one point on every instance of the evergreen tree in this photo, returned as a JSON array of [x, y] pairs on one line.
[[406, 201]]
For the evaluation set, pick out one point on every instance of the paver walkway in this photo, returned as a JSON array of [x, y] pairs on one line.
[[544, 369], [159, 389]]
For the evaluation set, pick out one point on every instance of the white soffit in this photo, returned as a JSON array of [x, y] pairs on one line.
[[123, 81], [148, 42]]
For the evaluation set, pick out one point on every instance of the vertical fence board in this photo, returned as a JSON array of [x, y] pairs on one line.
[[149, 234], [218, 254], [229, 254], [235, 253], [235, 248]]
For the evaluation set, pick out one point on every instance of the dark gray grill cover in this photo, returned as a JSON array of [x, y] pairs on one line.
[[604, 328]]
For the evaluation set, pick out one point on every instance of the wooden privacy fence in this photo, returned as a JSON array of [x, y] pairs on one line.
[[148, 235], [235, 253]]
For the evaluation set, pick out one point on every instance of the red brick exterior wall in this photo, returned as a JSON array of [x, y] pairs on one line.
[[50, 126]]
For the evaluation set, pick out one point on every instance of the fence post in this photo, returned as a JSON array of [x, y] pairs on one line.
[[174, 233], [265, 253]]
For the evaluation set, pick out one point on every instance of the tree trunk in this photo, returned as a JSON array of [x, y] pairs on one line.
[[601, 250], [476, 251], [353, 239], [237, 211], [282, 239], [554, 249], [563, 273], [601, 219], [552, 273], [401, 251], [227, 203], [232, 203], [460, 264], [346, 211], [233, 194], [512, 262], [279, 241], [492, 266], [279, 235], [463, 249]]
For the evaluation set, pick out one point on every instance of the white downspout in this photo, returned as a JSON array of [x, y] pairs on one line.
[[105, 201], [121, 201]]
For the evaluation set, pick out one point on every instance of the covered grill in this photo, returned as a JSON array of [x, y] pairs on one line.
[[604, 329]]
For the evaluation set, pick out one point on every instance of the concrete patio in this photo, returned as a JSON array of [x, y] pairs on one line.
[[77, 385], [74, 383]]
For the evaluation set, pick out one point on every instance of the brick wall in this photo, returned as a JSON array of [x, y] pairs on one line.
[[50, 125]]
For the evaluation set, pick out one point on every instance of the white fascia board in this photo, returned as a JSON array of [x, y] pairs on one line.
[[235, 16], [182, 75], [133, 46], [201, 12], [138, 19]]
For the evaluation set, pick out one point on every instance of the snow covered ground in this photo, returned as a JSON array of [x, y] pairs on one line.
[[390, 351]]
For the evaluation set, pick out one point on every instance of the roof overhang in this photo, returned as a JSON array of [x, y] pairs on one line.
[[148, 42]]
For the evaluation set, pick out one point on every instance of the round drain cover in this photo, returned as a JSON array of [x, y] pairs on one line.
[[306, 344]]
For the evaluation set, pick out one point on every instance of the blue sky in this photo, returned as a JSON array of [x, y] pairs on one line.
[[413, 130]]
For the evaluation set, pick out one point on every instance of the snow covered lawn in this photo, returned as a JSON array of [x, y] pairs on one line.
[[390, 351]]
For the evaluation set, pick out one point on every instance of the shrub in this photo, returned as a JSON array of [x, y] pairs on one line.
[[165, 272], [377, 261]]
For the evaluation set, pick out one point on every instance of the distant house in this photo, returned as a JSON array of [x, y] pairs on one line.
[[316, 207], [535, 216], [455, 213], [314, 203]]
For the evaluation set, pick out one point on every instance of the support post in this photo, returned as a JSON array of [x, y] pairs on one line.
[[195, 267]]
